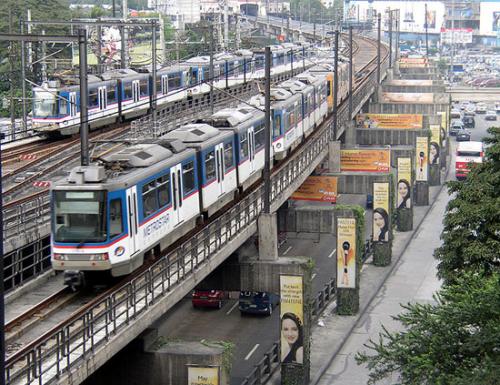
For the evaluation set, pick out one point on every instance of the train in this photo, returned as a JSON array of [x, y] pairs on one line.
[[133, 203], [124, 94]]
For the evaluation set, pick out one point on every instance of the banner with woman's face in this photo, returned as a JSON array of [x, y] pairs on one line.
[[421, 159], [346, 252], [292, 319], [381, 225], [403, 188]]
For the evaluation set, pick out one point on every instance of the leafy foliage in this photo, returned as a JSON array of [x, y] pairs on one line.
[[471, 235], [455, 341]]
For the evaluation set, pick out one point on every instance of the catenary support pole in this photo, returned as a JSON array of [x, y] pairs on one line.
[[426, 32], [84, 113], [154, 88], [267, 149], [379, 43], [350, 72], [335, 85], [211, 68], [23, 79], [390, 39]]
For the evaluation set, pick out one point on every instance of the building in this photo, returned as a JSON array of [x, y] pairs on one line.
[[181, 12]]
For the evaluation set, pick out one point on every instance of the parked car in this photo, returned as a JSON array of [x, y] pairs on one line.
[[455, 126], [481, 108], [257, 302], [208, 298], [490, 115], [469, 122], [463, 135]]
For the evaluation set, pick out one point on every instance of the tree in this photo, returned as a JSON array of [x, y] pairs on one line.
[[471, 235], [454, 341]]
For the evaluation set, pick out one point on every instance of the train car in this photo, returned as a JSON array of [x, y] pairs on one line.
[[307, 102], [322, 93], [108, 219]]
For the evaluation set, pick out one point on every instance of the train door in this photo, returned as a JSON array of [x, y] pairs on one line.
[[177, 194], [136, 91], [72, 103], [102, 98], [132, 219], [219, 167], [164, 84], [251, 149]]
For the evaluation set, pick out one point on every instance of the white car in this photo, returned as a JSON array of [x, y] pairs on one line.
[[490, 115], [497, 107], [481, 108]]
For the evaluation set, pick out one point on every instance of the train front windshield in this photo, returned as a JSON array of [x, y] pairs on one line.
[[79, 216], [44, 104]]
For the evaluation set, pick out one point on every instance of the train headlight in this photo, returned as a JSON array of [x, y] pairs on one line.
[[99, 257], [60, 257]]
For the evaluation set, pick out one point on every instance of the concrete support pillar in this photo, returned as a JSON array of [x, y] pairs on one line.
[[434, 174], [421, 193], [334, 156], [268, 237], [350, 133], [382, 253], [404, 219]]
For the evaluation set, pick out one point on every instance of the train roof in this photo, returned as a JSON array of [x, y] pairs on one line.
[[295, 85], [234, 117], [197, 135]]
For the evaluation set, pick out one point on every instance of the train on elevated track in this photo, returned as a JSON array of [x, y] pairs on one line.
[[135, 202]]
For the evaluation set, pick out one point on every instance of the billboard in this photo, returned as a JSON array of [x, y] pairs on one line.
[[403, 193], [406, 97], [406, 62], [435, 144], [457, 35], [381, 222], [390, 121], [317, 188], [346, 253], [489, 20], [203, 375], [430, 19], [409, 82], [292, 319], [421, 161], [365, 160]]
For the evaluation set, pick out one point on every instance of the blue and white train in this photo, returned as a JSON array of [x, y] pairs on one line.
[[123, 94], [137, 201]]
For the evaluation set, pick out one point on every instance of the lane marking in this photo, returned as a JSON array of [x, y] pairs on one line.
[[287, 250], [331, 254], [314, 275], [232, 308], [252, 352]]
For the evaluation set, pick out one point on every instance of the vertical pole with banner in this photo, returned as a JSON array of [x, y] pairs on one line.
[[434, 155], [382, 226], [294, 331], [422, 171], [404, 195], [347, 266]]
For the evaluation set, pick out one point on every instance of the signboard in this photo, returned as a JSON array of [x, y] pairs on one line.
[[409, 82], [317, 188], [292, 319], [456, 35], [489, 18], [203, 375], [406, 62], [381, 224], [403, 193], [346, 252], [421, 161], [404, 97], [365, 160], [390, 121]]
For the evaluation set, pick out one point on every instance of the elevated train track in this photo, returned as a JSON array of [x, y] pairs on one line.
[[106, 324]]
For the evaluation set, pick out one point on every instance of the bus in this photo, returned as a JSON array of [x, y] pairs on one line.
[[467, 153]]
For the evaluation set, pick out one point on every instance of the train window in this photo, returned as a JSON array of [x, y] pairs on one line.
[[115, 218], [210, 165], [188, 177], [93, 101], [63, 105], [111, 94], [158, 85], [260, 136], [243, 147], [127, 91], [329, 88], [276, 126], [174, 81], [216, 71], [143, 87], [163, 190], [149, 202], [206, 73], [228, 156]]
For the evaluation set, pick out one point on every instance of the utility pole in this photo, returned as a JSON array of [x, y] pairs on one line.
[[99, 49], [350, 72], [335, 84], [84, 111], [390, 39], [426, 33], [154, 93], [238, 32], [211, 68], [12, 77], [30, 46], [226, 26], [267, 149], [379, 19], [124, 35], [114, 8], [44, 55], [162, 39], [23, 78], [452, 53]]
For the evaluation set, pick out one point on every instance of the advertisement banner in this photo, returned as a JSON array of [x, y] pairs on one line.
[[435, 144], [292, 319], [203, 375], [421, 161], [406, 62], [317, 188], [365, 160], [404, 97], [381, 223], [403, 193], [410, 82], [457, 35], [346, 253], [390, 121]]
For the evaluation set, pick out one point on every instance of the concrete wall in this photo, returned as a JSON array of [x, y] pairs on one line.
[[377, 136], [410, 89], [406, 108], [358, 182]]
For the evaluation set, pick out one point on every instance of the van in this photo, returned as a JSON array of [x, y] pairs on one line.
[[467, 152], [455, 114], [257, 302]]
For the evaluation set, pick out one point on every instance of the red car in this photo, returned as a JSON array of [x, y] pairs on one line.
[[208, 298]]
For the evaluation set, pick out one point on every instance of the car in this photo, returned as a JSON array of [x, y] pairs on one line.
[[455, 126], [208, 298], [490, 115], [257, 302], [481, 108], [463, 135], [469, 122]]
